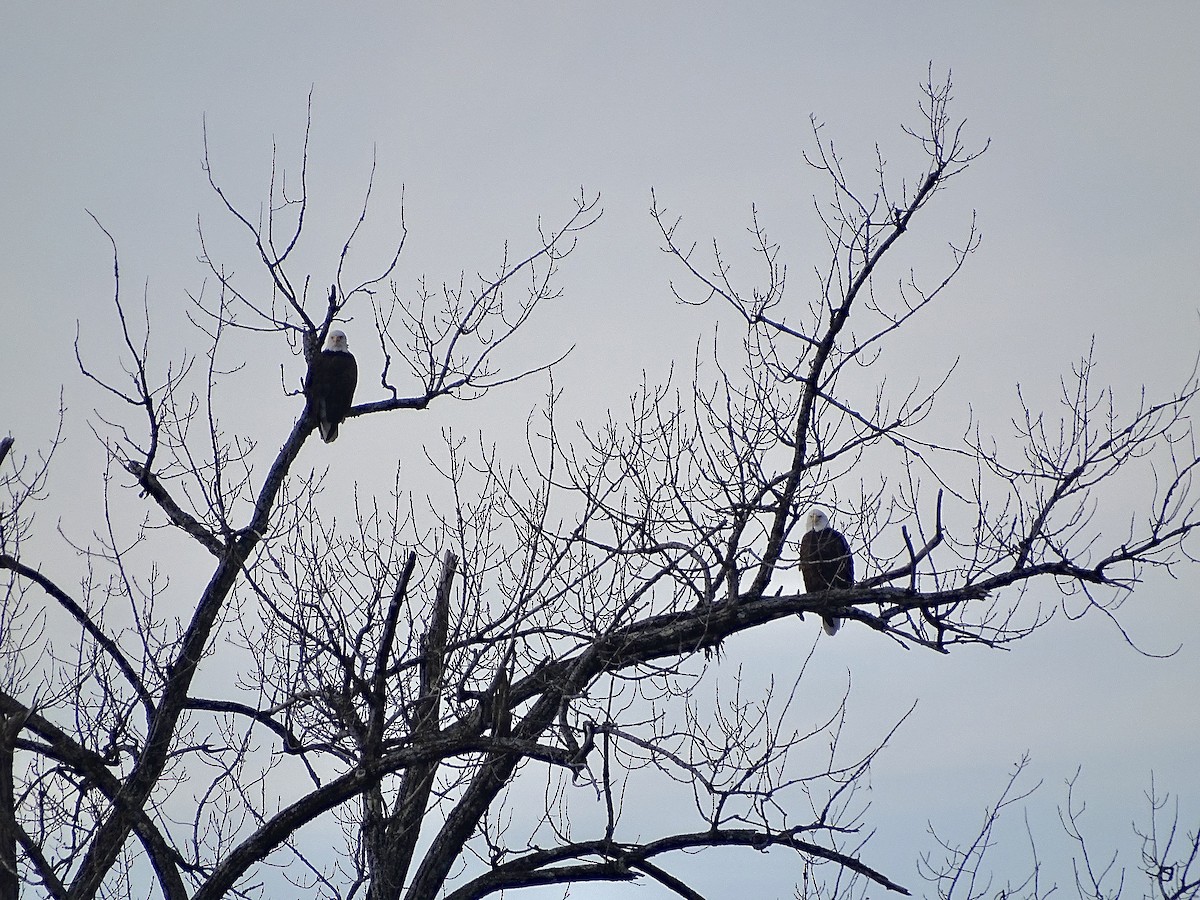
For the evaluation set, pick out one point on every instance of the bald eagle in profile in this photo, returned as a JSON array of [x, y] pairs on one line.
[[329, 386], [825, 562]]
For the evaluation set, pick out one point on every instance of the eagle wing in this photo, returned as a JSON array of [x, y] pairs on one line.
[[810, 562], [838, 560]]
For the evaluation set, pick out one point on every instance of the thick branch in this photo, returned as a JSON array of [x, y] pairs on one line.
[[60, 747], [80, 615], [176, 515], [391, 840], [617, 859], [113, 832]]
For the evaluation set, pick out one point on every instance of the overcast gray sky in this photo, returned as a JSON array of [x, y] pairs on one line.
[[490, 115]]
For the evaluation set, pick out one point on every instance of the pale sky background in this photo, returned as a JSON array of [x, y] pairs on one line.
[[491, 115]]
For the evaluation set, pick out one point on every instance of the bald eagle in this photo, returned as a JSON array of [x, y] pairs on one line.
[[825, 562], [329, 386]]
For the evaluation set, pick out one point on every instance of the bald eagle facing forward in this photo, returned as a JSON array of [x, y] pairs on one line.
[[329, 386], [825, 562]]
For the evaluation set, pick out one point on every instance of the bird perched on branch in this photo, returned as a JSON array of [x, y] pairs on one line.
[[329, 385], [825, 562]]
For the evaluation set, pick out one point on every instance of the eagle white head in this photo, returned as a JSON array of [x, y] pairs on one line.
[[817, 520], [336, 342]]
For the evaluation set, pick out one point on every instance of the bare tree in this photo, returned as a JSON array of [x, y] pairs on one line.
[[469, 682], [1167, 856]]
